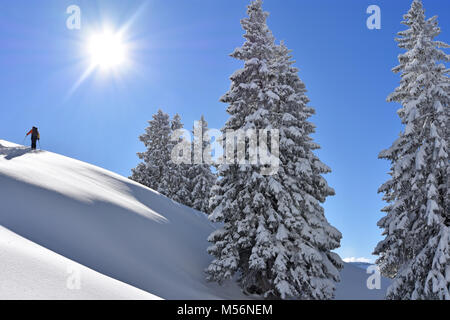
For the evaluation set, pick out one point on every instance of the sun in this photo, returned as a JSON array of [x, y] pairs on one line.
[[106, 50]]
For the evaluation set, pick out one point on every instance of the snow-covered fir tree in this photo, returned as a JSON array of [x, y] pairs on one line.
[[152, 172], [200, 175], [179, 184], [275, 235], [415, 250], [158, 170]]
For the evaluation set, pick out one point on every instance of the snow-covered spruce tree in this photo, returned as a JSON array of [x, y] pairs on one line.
[[200, 175], [177, 173], [300, 174], [152, 172], [415, 251], [158, 169], [274, 235]]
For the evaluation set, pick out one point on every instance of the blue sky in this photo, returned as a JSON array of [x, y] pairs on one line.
[[179, 62]]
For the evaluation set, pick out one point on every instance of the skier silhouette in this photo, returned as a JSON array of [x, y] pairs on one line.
[[34, 137]]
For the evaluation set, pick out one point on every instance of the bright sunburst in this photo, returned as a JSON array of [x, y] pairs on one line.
[[106, 50]]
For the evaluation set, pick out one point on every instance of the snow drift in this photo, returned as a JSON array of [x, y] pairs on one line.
[[110, 224], [29, 271]]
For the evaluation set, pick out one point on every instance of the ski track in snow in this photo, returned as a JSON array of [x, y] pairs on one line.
[[110, 224]]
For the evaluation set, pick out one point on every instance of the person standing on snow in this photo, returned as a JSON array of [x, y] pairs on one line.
[[34, 137]]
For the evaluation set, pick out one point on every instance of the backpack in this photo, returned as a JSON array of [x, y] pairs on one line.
[[35, 133]]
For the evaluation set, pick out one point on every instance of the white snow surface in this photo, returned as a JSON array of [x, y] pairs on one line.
[[126, 240], [29, 271]]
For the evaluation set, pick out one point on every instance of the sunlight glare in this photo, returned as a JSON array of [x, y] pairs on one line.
[[106, 50]]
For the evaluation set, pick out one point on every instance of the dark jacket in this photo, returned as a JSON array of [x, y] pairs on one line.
[[34, 134]]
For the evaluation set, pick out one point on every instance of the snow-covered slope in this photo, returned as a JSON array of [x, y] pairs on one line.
[[109, 224], [29, 271], [361, 265], [353, 285]]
